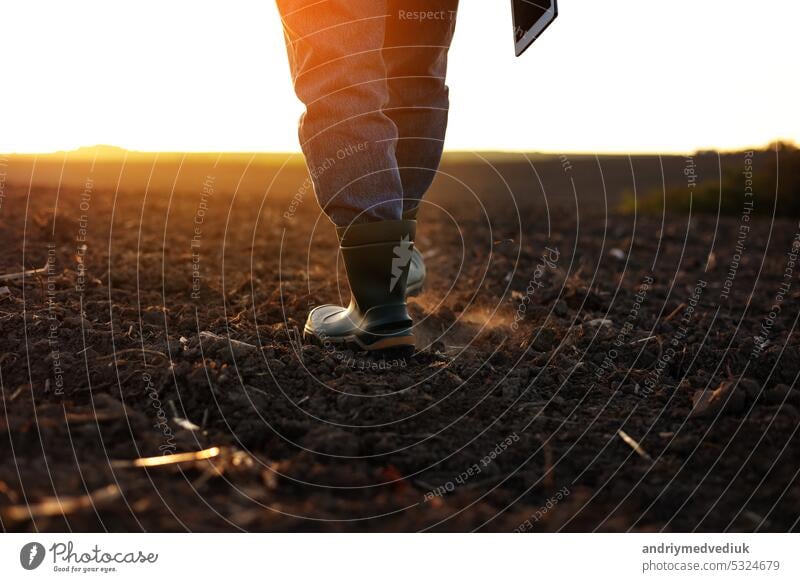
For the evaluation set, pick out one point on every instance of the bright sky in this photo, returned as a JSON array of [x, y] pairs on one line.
[[208, 75]]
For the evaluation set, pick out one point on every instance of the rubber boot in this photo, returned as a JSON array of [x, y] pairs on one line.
[[377, 257], [416, 269]]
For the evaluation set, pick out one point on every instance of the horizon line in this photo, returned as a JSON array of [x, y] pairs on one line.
[[119, 151]]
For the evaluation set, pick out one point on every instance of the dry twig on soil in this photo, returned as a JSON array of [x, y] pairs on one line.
[[632, 443], [53, 506], [22, 274]]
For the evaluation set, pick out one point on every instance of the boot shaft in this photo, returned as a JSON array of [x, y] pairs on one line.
[[377, 256]]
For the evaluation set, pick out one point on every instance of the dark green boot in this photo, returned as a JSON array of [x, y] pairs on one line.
[[416, 269], [377, 256]]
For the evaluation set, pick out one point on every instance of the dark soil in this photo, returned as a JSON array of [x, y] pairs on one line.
[[558, 389]]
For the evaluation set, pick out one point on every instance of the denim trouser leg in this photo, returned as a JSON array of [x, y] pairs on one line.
[[340, 62], [415, 52]]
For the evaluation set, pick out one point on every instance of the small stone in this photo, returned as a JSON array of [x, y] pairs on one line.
[[275, 365], [511, 389], [751, 387], [543, 339], [332, 441], [790, 411], [312, 351], [780, 394], [403, 381], [446, 314], [681, 444], [725, 398], [347, 402]]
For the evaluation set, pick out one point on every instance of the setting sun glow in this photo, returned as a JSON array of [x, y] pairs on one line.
[[196, 75]]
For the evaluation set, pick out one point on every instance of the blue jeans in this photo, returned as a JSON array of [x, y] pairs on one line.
[[371, 74]]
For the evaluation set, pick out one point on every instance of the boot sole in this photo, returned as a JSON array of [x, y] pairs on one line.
[[385, 343]]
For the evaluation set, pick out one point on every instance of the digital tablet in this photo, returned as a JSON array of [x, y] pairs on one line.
[[531, 17]]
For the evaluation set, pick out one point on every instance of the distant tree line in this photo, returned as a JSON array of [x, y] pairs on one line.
[[772, 184]]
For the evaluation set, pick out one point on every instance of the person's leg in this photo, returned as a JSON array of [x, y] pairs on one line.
[[335, 54], [418, 36]]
